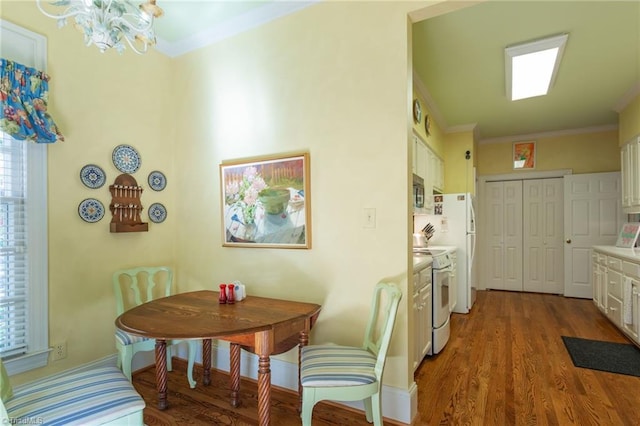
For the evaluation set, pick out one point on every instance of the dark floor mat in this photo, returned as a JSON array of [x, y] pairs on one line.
[[621, 358]]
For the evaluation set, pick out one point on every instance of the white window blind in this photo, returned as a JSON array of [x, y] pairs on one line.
[[13, 247]]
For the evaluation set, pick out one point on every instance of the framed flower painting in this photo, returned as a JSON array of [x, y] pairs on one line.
[[266, 202], [524, 155]]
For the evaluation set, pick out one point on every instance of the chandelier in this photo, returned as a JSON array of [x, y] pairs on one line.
[[106, 23]]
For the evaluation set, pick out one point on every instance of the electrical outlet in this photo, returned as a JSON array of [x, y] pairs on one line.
[[59, 351]]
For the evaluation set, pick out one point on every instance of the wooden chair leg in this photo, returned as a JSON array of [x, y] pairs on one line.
[[235, 374]]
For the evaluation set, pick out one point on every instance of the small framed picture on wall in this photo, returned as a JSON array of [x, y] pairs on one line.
[[524, 155], [628, 235]]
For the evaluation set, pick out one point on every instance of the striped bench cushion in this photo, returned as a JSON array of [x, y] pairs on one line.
[[125, 338], [92, 397], [331, 365]]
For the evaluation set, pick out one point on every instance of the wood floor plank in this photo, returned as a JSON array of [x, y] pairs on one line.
[[531, 380], [505, 364]]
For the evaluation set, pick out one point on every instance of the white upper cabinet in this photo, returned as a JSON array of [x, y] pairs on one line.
[[429, 167], [420, 158], [630, 165], [437, 172]]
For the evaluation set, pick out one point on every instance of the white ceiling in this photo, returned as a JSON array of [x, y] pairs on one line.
[[459, 58]]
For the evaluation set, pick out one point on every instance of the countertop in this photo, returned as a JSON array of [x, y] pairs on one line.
[[448, 248], [632, 254], [421, 261]]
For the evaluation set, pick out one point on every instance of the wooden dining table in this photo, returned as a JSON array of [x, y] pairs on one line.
[[261, 325]]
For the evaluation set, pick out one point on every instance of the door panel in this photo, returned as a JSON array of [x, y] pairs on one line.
[[542, 240], [503, 223], [593, 216], [494, 230], [513, 235]]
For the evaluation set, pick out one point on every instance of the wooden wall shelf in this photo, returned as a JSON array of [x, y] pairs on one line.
[[125, 206]]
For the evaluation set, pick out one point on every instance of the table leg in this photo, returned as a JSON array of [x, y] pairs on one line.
[[206, 361], [264, 390], [304, 341], [161, 373], [235, 374]]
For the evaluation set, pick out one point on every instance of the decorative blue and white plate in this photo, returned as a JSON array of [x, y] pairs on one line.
[[157, 213], [157, 180], [91, 210], [126, 158], [92, 176]]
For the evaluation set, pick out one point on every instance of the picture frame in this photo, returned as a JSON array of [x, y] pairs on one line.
[[266, 201], [628, 235], [524, 155]]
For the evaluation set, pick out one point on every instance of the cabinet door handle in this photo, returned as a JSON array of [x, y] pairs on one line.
[[568, 240]]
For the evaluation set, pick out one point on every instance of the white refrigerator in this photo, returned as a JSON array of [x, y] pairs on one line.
[[454, 224]]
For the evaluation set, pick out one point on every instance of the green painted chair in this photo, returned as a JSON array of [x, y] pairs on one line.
[[141, 285], [352, 373]]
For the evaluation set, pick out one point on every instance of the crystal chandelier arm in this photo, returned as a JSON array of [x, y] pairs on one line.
[[122, 21], [135, 49], [73, 10]]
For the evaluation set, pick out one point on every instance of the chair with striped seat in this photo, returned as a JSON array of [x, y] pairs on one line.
[[87, 396], [352, 373], [143, 284]]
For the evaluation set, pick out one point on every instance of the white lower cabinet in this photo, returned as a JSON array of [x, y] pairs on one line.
[[596, 279], [599, 262], [616, 288], [422, 314], [453, 281], [631, 319]]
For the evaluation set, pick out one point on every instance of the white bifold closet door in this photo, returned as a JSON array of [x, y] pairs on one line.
[[543, 242], [503, 228]]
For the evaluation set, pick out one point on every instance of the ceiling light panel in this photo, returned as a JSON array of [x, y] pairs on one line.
[[531, 68]]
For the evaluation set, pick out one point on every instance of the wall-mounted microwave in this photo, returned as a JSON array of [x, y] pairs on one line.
[[418, 191]]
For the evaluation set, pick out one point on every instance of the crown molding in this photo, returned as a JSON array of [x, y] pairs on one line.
[[245, 22], [552, 134]]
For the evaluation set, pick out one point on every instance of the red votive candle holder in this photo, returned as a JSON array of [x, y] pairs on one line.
[[231, 297], [223, 294]]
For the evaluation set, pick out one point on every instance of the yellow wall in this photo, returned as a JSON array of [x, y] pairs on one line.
[[99, 101], [459, 176], [343, 97], [583, 153], [629, 121]]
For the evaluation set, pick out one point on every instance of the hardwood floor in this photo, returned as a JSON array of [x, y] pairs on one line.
[[505, 364]]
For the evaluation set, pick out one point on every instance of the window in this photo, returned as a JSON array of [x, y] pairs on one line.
[[24, 315], [23, 254]]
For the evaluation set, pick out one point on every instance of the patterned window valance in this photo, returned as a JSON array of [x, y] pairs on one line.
[[24, 93]]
